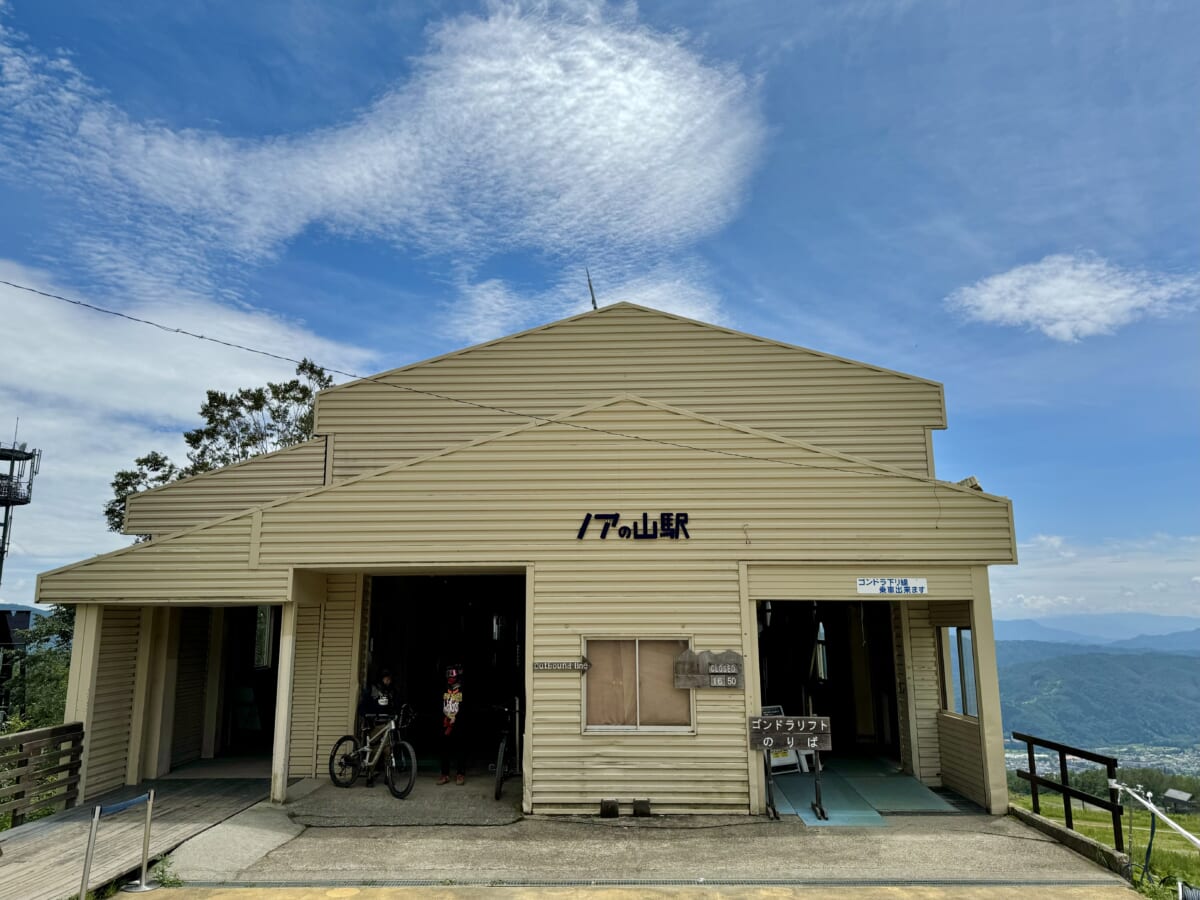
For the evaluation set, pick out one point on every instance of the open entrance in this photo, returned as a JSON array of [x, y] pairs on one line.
[[420, 624], [833, 658], [225, 673], [251, 668]]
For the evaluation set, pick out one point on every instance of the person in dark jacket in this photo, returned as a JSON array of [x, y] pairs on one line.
[[379, 699]]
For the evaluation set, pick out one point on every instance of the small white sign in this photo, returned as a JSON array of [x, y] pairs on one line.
[[892, 586]]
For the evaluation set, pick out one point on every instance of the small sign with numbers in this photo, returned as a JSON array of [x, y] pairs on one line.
[[790, 733]]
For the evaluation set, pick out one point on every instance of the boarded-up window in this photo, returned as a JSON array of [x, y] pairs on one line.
[[631, 684]]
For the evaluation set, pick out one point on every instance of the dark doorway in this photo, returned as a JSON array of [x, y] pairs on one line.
[[250, 657], [422, 623], [833, 659]]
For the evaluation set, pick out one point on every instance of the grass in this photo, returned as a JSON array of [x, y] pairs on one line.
[[1171, 854]]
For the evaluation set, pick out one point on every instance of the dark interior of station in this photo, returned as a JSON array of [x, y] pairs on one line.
[[420, 624], [833, 659]]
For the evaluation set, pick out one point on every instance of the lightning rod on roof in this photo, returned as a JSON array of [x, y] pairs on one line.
[[590, 291]]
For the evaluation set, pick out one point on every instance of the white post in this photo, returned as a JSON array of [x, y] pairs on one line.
[[283, 703], [987, 687]]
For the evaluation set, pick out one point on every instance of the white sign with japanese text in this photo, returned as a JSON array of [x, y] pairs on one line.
[[892, 586]]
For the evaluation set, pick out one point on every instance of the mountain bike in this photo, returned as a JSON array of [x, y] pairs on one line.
[[382, 738], [508, 755]]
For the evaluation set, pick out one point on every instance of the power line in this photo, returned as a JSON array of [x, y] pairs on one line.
[[404, 387]]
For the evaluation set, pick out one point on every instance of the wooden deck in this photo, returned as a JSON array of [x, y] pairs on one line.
[[43, 860]]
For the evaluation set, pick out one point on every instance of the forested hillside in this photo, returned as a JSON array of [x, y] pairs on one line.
[[1093, 699]]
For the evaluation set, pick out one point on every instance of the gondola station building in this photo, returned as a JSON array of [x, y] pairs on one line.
[[644, 528]]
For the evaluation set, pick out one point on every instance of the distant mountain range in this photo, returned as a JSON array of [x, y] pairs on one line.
[[1082, 680], [1179, 633]]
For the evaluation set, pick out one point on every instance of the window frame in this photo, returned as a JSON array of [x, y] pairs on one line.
[[269, 643], [587, 729], [953, 667]]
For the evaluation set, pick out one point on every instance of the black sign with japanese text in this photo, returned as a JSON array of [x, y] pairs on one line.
[[667, 525], [790, 733]]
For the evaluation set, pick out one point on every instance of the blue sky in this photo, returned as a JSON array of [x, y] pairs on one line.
[[1002, 197]]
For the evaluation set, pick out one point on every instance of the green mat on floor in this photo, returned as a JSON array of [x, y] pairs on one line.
[[855, 799], [898, 793], [844, 805], [859, 766]]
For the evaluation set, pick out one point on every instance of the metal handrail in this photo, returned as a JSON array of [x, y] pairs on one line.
[[1063, 787]]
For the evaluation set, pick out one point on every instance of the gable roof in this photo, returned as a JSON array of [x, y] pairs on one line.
[[608, 309]]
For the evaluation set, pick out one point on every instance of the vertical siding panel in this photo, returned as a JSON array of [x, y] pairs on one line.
[[112, 701], [962, 756], [335, 707], [902, 690], [926, 699], [304, 756], [191, 677]]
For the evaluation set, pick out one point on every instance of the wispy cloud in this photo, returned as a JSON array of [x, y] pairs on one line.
[[491, 308], [551, 129], [113, 390], [1070, 297], [1153, 575]]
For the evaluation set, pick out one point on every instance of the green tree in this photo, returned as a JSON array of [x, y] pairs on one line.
[[39, 683], [237, 426]]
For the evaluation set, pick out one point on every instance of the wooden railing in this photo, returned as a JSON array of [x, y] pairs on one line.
[[39, 769], [1112, 804]]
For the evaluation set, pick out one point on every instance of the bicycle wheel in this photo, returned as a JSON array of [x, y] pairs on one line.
[[500, 765], [400, 768], [344, 761]]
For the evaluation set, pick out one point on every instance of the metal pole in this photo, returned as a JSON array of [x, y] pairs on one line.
[[817, 805], [144, 884], [6, 530], [87, 859]]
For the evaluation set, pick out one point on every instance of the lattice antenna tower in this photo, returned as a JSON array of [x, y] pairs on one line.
[[18, 466]]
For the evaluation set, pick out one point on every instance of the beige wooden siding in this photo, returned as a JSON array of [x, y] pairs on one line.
[[904, 729], [843, 405], [187, 734], [628, 598], [214, 495], [303, 756], [944, 615], [112, 703], [772, 581], [926, 694], [962, 756], [335, 693], [523, 496], [201, 566], [323, 686]]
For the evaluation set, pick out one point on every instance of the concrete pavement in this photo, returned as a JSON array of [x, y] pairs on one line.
[[990, 892], [317, 849]]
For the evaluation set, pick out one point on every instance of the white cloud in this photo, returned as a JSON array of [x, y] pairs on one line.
[[1150, 575], [110, 390], [551, 128], [1072, 297], [490, 309]]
